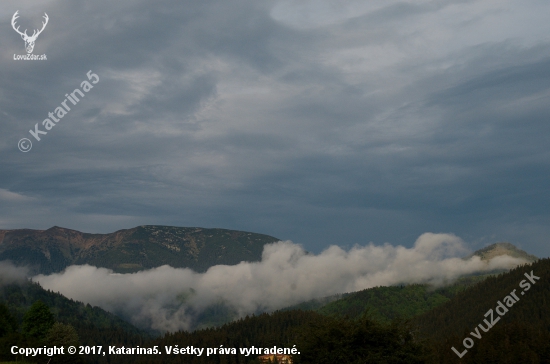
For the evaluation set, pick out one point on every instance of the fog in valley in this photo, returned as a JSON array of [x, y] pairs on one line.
[[171, 299]]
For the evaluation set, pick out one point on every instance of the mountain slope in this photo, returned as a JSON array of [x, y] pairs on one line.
[[94, 325], [130, 250], [387, 303], [19, 297], [495, 327], [466, 310]]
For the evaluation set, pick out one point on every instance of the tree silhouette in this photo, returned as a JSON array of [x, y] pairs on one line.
[[8, 323], [63, 335], [37, 320]]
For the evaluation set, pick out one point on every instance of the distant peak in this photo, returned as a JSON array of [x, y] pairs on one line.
[[54, 229], [58, 228], [503, 248]]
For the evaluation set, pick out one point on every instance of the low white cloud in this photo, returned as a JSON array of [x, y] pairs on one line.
[[169, 299], [10, 273]]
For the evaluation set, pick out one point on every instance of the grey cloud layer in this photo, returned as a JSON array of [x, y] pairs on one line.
[[367, 122]]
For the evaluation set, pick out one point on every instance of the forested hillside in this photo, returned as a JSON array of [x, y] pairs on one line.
[[514, 306], [93, 325], [384, 304], [521, 336]]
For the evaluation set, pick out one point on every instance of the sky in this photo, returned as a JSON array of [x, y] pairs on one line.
[[320, 122]]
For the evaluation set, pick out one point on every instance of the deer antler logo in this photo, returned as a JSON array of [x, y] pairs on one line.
[[29, 41]]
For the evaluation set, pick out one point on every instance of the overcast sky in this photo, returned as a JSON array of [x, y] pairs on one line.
[[322, 122]]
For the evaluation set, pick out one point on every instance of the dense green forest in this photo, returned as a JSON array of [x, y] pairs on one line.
[[19, 297], [93, 325], [320, 340], [519, 331], [385, 304]]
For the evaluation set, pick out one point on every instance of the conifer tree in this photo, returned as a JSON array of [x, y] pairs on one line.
[[8, 323], [37, 320]]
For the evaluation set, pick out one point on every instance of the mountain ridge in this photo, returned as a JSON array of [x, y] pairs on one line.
[[130, 250]]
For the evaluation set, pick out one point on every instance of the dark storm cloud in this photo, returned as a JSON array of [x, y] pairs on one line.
[[369, 121]]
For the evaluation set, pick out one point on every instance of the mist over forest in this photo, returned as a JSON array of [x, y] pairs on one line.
[[171, 299]]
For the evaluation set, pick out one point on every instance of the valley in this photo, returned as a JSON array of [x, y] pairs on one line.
[[428, 318]]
